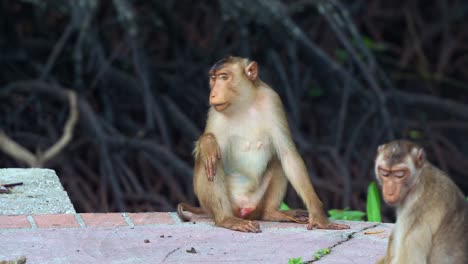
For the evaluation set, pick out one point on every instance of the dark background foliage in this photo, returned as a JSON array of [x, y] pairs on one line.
[[352, 75]]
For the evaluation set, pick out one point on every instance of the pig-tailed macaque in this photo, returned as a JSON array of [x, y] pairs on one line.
[[246, 155], [432, 214]]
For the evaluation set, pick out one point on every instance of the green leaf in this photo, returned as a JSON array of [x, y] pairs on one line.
[[346, 214], [373, 203], [372, 44], [321, 252], [295, 260], [341, 55], [315, 92], [415, 134], [284, 207]]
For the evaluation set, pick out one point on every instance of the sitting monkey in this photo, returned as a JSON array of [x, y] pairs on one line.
[[246, 156], [432, 214]]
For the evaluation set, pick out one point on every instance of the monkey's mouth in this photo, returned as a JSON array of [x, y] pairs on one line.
[[220, 107], [392, 201]]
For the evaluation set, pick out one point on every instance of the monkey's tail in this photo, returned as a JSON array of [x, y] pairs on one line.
[[183, 208]]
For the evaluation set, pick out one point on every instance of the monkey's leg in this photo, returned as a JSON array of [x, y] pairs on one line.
[[214, 198]]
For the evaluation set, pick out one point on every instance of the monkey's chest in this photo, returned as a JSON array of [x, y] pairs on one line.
[[247, 156]]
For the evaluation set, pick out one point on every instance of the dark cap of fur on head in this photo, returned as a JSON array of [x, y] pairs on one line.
[[396, 151], [227, 60]]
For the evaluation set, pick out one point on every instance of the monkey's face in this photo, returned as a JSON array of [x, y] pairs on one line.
[[222, 90], [393, 181], [396, 167]]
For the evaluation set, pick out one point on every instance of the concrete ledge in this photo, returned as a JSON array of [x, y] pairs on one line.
[[38, 221], [41, 193]]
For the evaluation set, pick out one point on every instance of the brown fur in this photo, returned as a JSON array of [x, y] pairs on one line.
[[432, 220], [246, 156]]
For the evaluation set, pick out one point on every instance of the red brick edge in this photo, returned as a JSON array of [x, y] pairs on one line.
[[111, 220], [84, 220]]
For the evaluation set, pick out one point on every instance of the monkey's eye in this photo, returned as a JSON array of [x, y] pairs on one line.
[[224, 77], [384, 173], [399, 174]]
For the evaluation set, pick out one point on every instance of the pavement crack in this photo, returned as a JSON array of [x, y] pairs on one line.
[[170, 253], [352, 234], [346, 239]]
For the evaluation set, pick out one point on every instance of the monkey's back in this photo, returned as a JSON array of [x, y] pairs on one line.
[[450, 240]]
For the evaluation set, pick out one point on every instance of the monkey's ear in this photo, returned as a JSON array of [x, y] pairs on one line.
[[380, 148], [419, 156], [252, 70]]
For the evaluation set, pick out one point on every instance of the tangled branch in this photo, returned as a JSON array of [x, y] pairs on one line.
[[18, 152]]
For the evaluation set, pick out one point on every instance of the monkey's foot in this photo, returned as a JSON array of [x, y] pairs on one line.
[[300, 219], [327, 225], [298, 216], [239, 224]]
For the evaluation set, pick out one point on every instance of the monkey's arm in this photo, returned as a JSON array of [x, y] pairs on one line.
[[381, 261], [416, 246], [208, 152], [385, 259], [295, 169], [296, 172]]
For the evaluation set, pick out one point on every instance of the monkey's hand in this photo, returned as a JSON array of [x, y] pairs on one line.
[[210, 153], [323, 223]]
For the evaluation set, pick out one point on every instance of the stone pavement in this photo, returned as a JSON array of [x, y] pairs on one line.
[[162, 238], [38, 221]]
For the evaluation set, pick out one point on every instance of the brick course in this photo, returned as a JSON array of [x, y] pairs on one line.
[[89, 219], [55, 221], [14, 221]]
